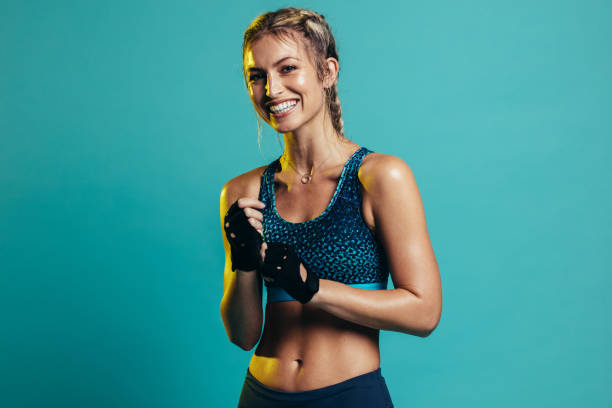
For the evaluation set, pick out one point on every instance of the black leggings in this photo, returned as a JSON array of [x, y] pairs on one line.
[[366, 390]]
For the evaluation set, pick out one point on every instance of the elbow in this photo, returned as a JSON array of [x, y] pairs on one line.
[[244, 345], [428, 331], [428, 319], [421, 314], [432, 320], [423, 331]]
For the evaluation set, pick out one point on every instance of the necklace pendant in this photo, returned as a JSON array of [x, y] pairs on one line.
[[306, 179]]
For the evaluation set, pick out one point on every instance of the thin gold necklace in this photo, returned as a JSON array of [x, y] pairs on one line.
[[307, 177]]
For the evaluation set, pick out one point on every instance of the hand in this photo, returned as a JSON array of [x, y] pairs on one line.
[[244, 233], [282, 265], [262, 253]]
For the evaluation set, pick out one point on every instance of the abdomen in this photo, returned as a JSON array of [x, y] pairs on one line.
[[304, 348]]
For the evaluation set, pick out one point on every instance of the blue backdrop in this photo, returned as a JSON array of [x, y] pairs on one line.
[[117, 120]]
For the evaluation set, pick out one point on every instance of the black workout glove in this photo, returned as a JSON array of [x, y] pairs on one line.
[[246, 244], [282, 265]]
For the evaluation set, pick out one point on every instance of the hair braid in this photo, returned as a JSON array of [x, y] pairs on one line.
[[333, 102]]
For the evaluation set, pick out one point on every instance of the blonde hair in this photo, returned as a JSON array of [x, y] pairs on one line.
[[320, 43]]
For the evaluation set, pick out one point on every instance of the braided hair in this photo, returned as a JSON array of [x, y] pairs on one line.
[[319, 41]]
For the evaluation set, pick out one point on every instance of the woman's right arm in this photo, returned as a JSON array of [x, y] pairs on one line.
[[241, 306]]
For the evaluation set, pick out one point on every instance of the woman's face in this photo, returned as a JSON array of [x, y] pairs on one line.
[[282, 83]]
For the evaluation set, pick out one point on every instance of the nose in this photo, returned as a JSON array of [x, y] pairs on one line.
[[273, 87]]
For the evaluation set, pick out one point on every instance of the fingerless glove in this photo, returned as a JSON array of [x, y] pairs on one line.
[[282, 264], [246, 244]]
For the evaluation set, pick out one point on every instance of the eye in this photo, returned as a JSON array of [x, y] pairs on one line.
[[255, 77]]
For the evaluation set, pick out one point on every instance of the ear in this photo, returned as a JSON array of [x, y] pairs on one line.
[[333, 67]]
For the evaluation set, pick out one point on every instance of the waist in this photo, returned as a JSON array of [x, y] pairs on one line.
[[278, 294], [371, 378], [311, 371], [299, 344]]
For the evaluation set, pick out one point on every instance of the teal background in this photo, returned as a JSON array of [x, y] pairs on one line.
[[118, 127]]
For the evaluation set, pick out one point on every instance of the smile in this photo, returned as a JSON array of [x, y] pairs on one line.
[[283, 109]]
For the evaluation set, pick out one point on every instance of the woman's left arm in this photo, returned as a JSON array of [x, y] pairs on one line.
[[415, 305]]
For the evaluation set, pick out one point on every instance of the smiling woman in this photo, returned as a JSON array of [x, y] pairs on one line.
[[286, 55], [324, 239]]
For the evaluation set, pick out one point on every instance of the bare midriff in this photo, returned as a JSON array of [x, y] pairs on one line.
[[303, 348]]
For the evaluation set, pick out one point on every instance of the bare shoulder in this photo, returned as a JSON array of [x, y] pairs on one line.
[[385, 180], [244, 185], [380, 172]]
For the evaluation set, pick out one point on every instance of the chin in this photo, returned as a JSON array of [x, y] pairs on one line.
[[284, 128]]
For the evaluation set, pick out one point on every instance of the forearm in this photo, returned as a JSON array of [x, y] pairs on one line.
[[241, 309], [393, 309]]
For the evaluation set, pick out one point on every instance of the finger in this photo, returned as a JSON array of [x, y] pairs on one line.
[[256, 224], [252, 222], [253, 213], [250, 202]]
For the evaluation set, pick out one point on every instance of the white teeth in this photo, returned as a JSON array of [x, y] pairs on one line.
[[282, 107]]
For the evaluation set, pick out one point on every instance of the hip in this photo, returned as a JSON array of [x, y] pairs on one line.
[[365, 390]]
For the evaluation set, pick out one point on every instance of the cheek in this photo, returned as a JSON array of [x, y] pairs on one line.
[[302, 80], [253, 92], [256, 95], [309, 88], [259, 110]]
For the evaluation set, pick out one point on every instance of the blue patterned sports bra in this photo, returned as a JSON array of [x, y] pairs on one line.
[[337, 245]]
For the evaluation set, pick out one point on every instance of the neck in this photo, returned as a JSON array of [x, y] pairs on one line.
[[310, 145]]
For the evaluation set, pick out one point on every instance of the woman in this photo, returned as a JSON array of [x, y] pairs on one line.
[[324, 226]]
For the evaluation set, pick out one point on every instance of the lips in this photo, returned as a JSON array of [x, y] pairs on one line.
[[274, 103], [278, 115]]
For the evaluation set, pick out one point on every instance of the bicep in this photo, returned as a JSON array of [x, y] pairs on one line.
[[400, 224]]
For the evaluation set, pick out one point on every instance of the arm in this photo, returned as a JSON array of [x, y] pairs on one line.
[[241, 305], [415, 305]]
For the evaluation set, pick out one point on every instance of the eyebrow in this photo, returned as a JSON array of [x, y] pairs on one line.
[[275, 64]]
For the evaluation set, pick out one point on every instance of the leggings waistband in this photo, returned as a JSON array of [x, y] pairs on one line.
[[373, 378]]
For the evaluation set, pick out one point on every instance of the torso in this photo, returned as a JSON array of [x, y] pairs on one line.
[[303, 347]]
